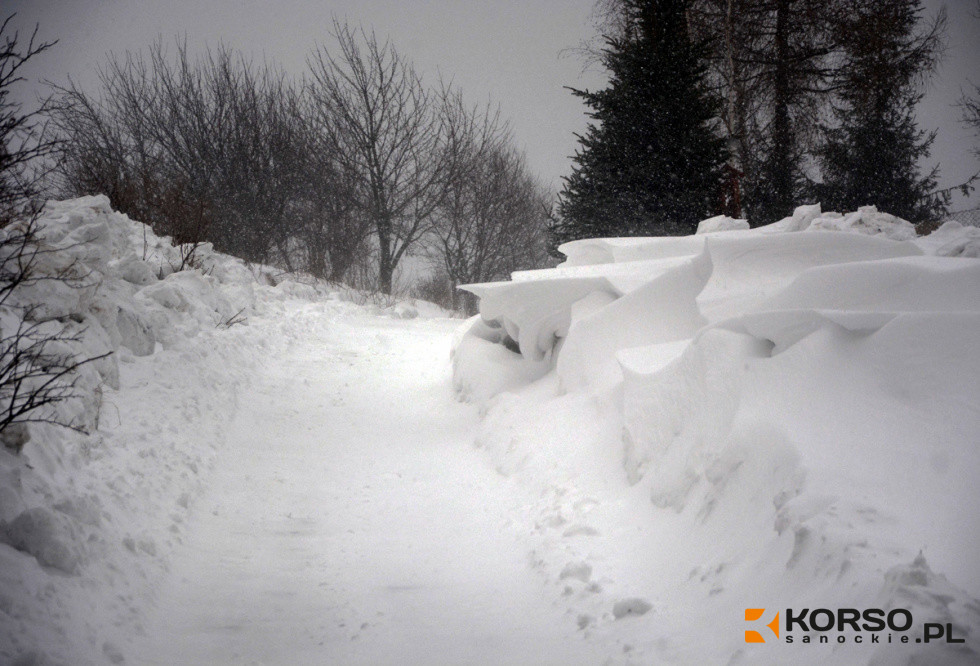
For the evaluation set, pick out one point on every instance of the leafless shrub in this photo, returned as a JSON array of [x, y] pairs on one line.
[[38, 359], [237, 318], [200, 150], [436, 288], [38, 369], [24, 140]]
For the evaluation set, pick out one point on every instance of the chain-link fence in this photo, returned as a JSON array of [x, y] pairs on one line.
[[969, 217]]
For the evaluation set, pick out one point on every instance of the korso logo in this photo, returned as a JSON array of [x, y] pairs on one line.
[[842, 625], [755, 615]]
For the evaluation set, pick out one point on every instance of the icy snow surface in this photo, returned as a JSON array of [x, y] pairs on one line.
[[786, 417]]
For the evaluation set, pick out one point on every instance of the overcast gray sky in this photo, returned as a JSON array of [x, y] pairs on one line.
[[506, 50]]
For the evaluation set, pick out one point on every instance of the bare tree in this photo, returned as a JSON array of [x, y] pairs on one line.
[[333, 224], [380, 121], [303, 176], [333, 230], [492, 218]]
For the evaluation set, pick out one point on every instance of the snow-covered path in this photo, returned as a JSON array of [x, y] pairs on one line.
[[351, 520], [771, 419]]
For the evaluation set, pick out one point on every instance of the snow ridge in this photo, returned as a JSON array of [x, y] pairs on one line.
[[783, 417]]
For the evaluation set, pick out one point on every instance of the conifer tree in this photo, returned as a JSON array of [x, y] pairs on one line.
[[871, 153], [790, 56], [650, 162]]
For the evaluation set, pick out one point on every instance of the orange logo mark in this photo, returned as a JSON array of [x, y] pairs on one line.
[[754, 614]]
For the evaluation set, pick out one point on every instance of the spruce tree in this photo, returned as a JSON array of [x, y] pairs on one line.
[[871, 153], [650, 162]]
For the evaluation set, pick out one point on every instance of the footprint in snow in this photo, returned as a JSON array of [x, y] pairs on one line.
[[630, 608], [576, 570], [585, 504], [580, 530]]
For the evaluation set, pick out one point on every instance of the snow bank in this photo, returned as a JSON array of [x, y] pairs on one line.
[[89, 522], [785, 417], [952, 239], [866, 220], [722, 223]]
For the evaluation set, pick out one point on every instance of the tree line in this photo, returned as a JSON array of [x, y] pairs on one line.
[[748, 107], [341, 173]]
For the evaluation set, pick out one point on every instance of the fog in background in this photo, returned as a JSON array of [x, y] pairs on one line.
[[515, 52]]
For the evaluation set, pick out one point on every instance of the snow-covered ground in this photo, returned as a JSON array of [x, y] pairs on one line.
[[351, 521], [301, 488], [653, 437]]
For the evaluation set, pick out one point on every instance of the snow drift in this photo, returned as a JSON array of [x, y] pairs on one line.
[[783, 417]]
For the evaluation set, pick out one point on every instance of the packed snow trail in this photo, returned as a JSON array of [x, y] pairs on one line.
[[351, 520]]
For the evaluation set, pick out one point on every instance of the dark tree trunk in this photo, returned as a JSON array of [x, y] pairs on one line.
[[781, 173]]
